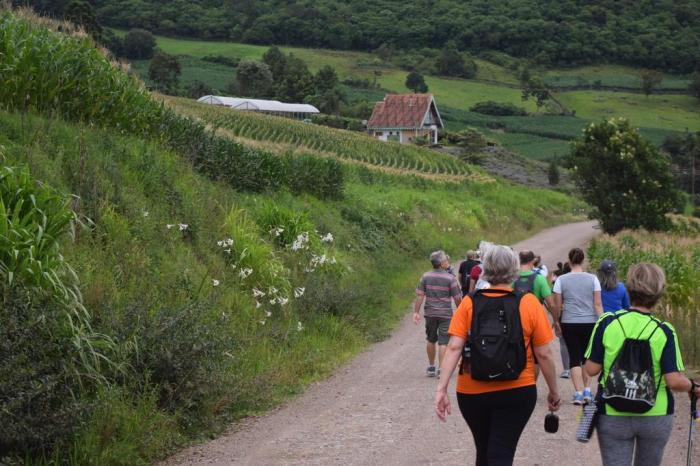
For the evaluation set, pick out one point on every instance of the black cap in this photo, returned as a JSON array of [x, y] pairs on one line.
[[607, 266]]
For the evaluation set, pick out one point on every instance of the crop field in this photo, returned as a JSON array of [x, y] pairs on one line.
[[537, 136], [216, 75], [340, 143]]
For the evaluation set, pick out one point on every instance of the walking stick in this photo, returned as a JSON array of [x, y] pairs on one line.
[[694, 415]]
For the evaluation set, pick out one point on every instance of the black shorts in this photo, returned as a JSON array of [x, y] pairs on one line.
[[436, 330], [576, 337]]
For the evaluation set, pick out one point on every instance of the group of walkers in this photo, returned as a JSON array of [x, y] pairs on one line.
[[499, 337]]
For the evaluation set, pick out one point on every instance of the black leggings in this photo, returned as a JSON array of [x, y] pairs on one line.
[[576, 337], [496, 420]]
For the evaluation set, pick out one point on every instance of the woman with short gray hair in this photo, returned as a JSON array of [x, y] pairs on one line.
[[497, 408]]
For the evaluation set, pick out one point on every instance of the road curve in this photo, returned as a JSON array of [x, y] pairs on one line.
[[378, 409]]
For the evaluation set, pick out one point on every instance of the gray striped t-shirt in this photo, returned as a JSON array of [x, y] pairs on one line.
[[440, 288]]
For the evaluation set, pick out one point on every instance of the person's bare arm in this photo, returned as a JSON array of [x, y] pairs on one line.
[[597, 303], [472, 286], [551, 303], [545, 359], [678, 382], [420, 297], [449, 363], [556, 312]]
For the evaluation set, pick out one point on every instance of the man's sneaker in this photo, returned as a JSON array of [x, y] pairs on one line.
[[587, 397], [578, 399], [565, 374], [431, 371]]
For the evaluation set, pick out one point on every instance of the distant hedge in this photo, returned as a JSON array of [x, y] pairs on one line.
[[498, 108]]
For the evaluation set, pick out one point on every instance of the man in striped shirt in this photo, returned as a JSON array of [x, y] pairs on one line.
[[438, 289]]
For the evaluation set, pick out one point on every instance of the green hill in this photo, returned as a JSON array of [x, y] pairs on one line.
[[661, 35], [159, 279], [617, 93]]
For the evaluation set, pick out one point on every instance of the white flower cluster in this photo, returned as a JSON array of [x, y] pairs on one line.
[[225, 244], [276, 231], [327, 238], [181, 226], [245, 272], [302, 242]]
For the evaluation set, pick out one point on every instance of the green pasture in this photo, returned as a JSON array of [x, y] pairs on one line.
[[672, 112], [609, 76]]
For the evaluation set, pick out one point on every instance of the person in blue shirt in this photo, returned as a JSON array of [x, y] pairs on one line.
[[613, 292]]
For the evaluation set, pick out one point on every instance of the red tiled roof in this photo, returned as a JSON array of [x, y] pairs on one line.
[[400, 111]]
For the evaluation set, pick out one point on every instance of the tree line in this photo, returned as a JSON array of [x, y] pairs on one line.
[[649, 34]]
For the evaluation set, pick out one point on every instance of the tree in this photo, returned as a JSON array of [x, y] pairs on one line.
[[694, 86], [325, 80], [553, 173], [139, 44], [623, 176], [164, 71], [536, 88], [450, 62], [297, 82], [253, 79], [82, 13], [650, 79], [196, 89], [416, 82], [275, 59]]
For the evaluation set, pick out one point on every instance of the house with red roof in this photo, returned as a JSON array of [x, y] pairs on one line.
[[404, 118]]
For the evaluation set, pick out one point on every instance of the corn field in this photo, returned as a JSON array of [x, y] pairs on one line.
[[679, 255], [343, 144]]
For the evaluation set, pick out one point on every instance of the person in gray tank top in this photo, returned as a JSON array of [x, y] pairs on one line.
[[577, 297]]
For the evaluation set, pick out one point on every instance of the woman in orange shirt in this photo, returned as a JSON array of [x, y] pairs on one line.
[[497, 411]]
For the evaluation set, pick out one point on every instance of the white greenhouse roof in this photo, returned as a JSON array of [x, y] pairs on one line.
[[257, 104]]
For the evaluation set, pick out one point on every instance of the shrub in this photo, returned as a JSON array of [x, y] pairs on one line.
[[139, 44], [222, 60], [38, 387], [498, 108]]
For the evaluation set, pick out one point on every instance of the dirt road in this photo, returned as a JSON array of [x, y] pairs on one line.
[[379, 410]]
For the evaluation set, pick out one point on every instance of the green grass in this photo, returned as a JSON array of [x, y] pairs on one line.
[[672, 112], [609, 76]]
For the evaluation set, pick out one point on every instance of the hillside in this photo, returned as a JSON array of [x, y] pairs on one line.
[[592, 93], [178, 279], [661, 35]]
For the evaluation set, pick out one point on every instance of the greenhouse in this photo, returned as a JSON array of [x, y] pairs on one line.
[[271, 107]]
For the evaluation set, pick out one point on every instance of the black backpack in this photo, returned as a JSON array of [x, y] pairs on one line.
[[496, 345], [525, 284], [630, 386]]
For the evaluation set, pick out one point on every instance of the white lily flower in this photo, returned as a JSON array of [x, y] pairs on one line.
[[268, 313], [257, 293], [169, 226], [299, 327], [257, 305], [183, 226], [299, 292], [262, 322], [327, 239], [273, 290], [145, 213], [282, 301], [215, 282]]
